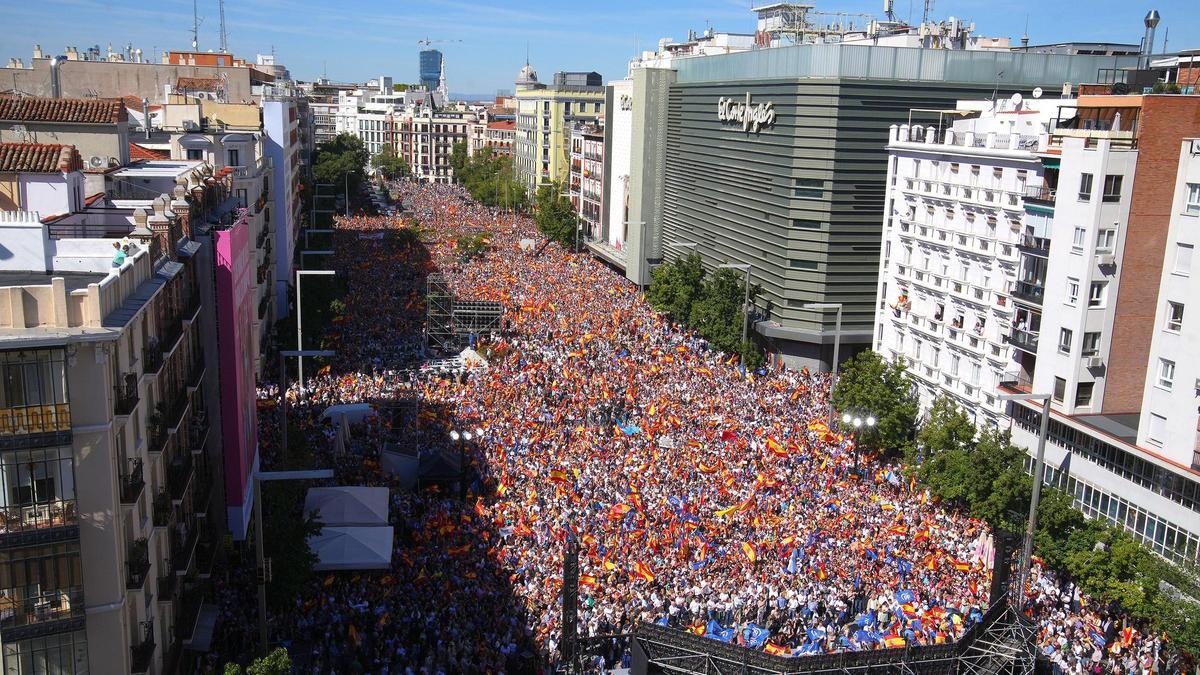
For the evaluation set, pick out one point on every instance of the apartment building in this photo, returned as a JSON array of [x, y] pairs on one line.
[[586, 177], [545, 115], [500, 136], [1091, 310], [962, 251], [425, 137], [106, 533], [281, 115]]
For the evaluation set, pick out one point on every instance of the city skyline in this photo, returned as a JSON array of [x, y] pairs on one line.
[[495, 40]]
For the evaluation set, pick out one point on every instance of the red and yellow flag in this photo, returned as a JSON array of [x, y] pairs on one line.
[[748, 549], [643, 571]]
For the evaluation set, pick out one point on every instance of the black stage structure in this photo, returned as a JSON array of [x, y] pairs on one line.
[[1001, 644], [449, 321]]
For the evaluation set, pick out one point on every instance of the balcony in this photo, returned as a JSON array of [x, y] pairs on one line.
[[22, 524], [164, 510], [196, 373], [201, 494], [125, 397], [152, 359], [1024, 340], [1041, 194], [207, 552], [179, 476], [137, 564], [132, 484], [184, 550], [24, 615], [1029, 292], [190, 603], [198, 433], [171, 335], [51, 421], [168, 585], [142, 653]]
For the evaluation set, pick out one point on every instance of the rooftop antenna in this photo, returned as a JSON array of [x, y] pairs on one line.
[[224, 35], [1025, 36], [928, 11], [195, 27], [1166, 38]]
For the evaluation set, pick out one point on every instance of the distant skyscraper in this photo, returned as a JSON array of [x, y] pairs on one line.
[[431, 68]]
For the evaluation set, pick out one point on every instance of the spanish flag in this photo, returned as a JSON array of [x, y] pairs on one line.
[[774, 446], [642, 571], [960, 565], [892, 641], [821, 575], [560, 477], [587, 580], [748, 549], [704, 468], [777, 650], [737, 508]]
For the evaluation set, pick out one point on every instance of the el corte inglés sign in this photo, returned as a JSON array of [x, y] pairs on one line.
[[752, 116]]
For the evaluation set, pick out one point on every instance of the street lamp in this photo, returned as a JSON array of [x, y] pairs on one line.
[[300, 323], [1038, 468], [837, 343], [746, 299]]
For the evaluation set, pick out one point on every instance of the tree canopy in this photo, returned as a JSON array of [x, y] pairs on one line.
[[341, 159], [675, 285], [391, 165], [555, 215], [489, 178], [869, 385], [276, 663]]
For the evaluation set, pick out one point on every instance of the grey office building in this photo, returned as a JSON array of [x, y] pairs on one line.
[[776, 158]]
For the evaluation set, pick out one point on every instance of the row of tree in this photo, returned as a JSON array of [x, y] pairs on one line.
[[489, 178], [710, 304], [982, 472], [342, 162]]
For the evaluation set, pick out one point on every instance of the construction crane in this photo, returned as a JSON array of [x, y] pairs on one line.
[[428, 42]]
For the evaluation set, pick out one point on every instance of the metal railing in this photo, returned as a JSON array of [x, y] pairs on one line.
[[22, 609], [36, 419], [143, 652], [137, 565], [32, 517], [1040, 193], [125, 397], [132, 483], [1024, 339], [179, 476], [1030, 292]]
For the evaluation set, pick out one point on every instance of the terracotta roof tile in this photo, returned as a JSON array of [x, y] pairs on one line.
[[503, 124], [39, 158], [142, 152], [66, 110]]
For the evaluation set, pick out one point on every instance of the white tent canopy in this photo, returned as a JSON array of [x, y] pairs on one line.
[[348, 505], [352, 548], [355, 412]]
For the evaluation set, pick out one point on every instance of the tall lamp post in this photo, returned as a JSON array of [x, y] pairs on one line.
[[300, 323], [746, 296], [1038, 469], [837, 343]]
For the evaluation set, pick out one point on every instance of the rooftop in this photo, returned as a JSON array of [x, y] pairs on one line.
[[74, 281], [158, 168], [140, 152], [39, 158], [199, 83], [64, 110]]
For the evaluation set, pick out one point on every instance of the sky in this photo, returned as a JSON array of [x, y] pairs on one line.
[[486, 43]]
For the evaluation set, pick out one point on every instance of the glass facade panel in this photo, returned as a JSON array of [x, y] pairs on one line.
[[37, 489], [61, 654]]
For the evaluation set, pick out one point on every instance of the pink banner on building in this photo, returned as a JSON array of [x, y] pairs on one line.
[[239, 422]]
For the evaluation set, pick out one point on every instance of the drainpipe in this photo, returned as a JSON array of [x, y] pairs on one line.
[[146, 116], [55, 89]]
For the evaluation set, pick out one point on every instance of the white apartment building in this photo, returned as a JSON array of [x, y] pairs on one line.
[[426, 137], [1169, 413], [953, 237], [1096, 295]]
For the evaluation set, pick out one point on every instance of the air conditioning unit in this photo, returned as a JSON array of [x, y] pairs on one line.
[[1106, 259], [1093, 362]]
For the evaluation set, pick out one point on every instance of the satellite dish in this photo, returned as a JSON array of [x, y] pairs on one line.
[[1037, 92], [95, 161], [1015, 100]]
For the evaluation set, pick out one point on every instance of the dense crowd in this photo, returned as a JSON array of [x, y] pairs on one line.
[[698, 495]]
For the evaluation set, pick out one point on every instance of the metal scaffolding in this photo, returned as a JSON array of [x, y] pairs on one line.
[[477, 316], [439, 314]]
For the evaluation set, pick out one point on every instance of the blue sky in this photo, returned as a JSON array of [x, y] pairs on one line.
[[359, 40]]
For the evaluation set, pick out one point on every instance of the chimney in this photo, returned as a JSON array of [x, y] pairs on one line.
[[37, 52], [146, 116], [1151, 21], [55, 88]]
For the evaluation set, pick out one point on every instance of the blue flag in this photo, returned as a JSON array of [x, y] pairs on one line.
[[755, 635], [715, 631], [905, 595], [791, 566]]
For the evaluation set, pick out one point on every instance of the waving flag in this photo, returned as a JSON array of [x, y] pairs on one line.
[[642, 571], [774, 446], [748, 549], [737, 508], [905, 596], [777, 650], [717, 632], [559, 477], [755, 635], [587, 580], [791, 566]]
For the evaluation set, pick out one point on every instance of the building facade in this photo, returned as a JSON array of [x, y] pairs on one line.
[[425, 138], [962, 251], [545, 114], [586, 177]]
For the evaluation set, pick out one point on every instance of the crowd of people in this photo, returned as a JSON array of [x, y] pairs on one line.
[[696, 494]]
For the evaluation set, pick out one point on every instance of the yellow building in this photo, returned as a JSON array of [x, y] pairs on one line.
[[545, 115]]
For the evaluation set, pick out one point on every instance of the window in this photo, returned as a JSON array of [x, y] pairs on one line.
[[1085, 187], [1079, 238], [1106, 239], [1064, 340], [1112, 188], [1166, 374], [954, 361], [1183, 259], [809, 188], [241, 197], [1096, 293], [1072, 291], [975, 371], [1091, 343], [804, 264], [1192, 205], [1060, 389], [1158, 429], [1083, 394], [1174, 316], [195, 154], [806, 223]]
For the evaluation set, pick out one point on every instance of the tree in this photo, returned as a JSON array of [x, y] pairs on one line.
[[391, 165], [675, 285], [287, 530], [871, 385], [718, 314], [555, 215], [276, 663], [341, 159], [488, 177]]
